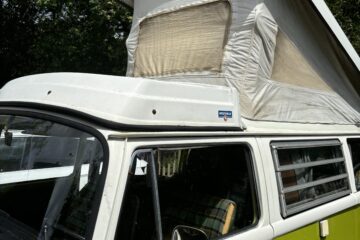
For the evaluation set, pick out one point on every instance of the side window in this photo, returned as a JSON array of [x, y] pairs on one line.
[[11, 157], [309, 174], [354, 145], [46, 152], [210, 189], [55, 197]]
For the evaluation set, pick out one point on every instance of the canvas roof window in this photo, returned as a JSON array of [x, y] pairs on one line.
[[291, 67], [190, 39]]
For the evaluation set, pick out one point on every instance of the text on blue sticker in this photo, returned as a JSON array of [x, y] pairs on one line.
[[223, 114]]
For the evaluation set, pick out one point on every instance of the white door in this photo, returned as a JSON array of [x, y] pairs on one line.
[[213, 184]]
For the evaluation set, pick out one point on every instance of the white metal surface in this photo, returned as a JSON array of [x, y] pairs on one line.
[[262, 230], [43, 173], [121, 149], [130, 101], [112, 195]]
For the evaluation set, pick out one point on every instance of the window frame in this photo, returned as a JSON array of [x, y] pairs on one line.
[[252, 170], [349, 143], [77, 123], [301, 144]]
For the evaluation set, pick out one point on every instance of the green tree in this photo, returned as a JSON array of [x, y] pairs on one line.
[[347, 13], [40, 36], [83, 36], [62, 35], [17, 33]]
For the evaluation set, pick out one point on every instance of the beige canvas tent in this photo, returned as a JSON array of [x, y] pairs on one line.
[[289, 60]]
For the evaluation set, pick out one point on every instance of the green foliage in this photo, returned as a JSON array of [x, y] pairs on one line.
[[40, 36], [63, 35], [18, 30], [347, 13]]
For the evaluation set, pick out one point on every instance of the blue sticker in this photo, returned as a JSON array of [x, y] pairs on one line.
[[224, 114]]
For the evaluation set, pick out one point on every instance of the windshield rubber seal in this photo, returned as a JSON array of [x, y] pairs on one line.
[[82, 127]]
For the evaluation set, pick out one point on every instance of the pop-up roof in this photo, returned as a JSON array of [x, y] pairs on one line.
[[280, 55], [124, 102]]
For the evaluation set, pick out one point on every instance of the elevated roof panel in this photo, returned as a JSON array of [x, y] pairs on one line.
[[130, 101]]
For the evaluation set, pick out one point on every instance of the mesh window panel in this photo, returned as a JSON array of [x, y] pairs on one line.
[[291, 67], [188, 40]]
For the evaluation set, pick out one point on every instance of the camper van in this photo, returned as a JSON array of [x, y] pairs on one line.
[[238, 119], [28, 157]]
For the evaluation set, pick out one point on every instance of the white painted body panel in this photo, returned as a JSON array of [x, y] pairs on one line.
[[129, 101], [112, 195], [271, 223], [34, 174], [44, 173], [261, 231]]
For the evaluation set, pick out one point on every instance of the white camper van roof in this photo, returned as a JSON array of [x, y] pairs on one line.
[[125, 101], [139, 104]]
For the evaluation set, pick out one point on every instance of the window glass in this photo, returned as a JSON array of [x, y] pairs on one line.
[[55, 198], [354, 145], [47, 152], [208, 188], [309, 174], [137, 215], [11, 157]]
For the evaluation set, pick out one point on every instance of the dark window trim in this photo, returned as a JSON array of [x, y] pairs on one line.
[[350, 141], [48, 116]]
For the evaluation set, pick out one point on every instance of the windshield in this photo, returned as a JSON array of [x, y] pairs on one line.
[[49, 176]]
